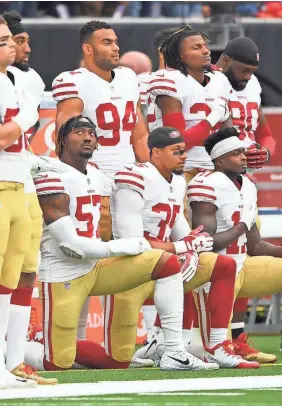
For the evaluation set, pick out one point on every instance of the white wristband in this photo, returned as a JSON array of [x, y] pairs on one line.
[[213, 118], [180, 247]]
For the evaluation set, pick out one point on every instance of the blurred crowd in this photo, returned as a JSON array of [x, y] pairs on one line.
[[119, 9]]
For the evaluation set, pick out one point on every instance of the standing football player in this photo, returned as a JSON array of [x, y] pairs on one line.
[[109, 95], [21, 297], [77, 264], [18, 113], [239, 62]]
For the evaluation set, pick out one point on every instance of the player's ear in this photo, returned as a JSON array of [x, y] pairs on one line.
[[87, 49], [226, 60]]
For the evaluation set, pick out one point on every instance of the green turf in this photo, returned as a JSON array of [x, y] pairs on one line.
[[206, 398]]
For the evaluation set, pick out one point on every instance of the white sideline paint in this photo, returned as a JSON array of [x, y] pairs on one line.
[[133, 387]]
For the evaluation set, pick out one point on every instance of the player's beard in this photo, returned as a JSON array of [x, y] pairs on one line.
[[86, 154], [177, 171], [23, 66], [237, 85]]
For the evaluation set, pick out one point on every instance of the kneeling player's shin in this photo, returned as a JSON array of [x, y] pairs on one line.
[[169, 302], [221, 296]]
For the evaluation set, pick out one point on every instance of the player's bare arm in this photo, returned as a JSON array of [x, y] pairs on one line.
[[257, 247], [54, 206], [139, 137], [168, 105], [9, 133], [66, 109], [263, 134], [205, 213]]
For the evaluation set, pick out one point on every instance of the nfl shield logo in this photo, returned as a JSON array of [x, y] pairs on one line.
[[67, 285], [171, 189]]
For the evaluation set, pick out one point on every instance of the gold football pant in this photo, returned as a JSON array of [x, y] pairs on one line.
[[15, 232], [62, 302], [31, 259], [260, 276], [122, 310]]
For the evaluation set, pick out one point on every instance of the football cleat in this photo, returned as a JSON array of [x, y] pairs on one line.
[[25, 371], [246, 351], [224, 354], [10, 381], [153, 350], [141, 363], [182, 360]]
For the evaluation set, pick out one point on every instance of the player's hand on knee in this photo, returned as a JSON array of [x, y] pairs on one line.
[[196, 241], [128, 246], [188, 265]]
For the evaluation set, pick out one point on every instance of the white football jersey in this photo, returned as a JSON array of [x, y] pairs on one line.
[[112, 107], [35, 86], [193, 97], [244, 107], [163, 201], [14, 162], [84, 192], [218, 189]]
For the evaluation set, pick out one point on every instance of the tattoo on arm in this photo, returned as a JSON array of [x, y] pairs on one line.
[[54, 206]]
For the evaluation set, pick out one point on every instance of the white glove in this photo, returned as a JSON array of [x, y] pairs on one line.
[[128, 246], [46, 164], [195, 241], [28, 114], [188, 265], [219, 111], [248, 215]]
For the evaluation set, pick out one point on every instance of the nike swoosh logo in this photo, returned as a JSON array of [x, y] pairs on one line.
[[199, 181], [152, 343], [161, 75], [129, 169], [60, 80], [185, 362]]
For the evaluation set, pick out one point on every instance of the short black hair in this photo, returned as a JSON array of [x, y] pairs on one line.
[[12, 17], [219, 135], [87, 29], [163, 35], [171, 48]]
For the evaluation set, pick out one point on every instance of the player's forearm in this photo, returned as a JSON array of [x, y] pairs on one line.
[[263, 248], [166, 246], [224, 239], [9, 133], [141, 150], [264, 137]]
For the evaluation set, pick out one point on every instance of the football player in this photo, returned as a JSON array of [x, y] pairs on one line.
[[225, 202], [156, 192], [76, 264], [21, 297], [18, 113], [109, 95], [239, 62]]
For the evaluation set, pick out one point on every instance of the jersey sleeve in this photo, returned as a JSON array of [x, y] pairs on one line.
[[66, 86], [201, 189], [144, 81], [49, 183], [129, 177], [256, 84], [166, 83]]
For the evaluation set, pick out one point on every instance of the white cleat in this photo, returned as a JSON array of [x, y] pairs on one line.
[[141, 363], [225, 356], [182, 360], [10, 381], [153, 350]]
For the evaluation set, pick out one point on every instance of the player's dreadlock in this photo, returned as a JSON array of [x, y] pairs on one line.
[[67, 127], [171, 48]]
